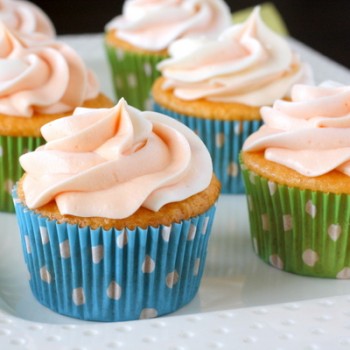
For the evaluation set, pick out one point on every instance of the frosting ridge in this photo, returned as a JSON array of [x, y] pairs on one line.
[[109, 162], [42, 77], [26, 18], [310, 133], [248, 63], [153, 25]]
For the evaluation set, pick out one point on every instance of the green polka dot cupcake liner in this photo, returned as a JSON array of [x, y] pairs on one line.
[[133, 75], [113, 275], [11, 148], [299, 231], [224, 140]]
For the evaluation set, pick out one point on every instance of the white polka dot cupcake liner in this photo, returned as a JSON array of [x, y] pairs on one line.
[[113, 275], [224, 140], [133, 75], [300, 231], [11, 148]]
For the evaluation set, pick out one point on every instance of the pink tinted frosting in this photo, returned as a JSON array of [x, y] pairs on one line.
[[154, 24], [248, 63], [26, 18], [43, 77], [110, 162], [311, 133]]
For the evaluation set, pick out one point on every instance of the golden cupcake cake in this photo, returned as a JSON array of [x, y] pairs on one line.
[[138, 39], [296, 170], [115, 213], [216, 87], [41, 80]]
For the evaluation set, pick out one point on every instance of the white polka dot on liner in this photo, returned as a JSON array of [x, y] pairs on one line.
[[45, 275], [114, 291], [148, 265], [78, 296], [197, 264], [238, 128], [65, 249], [172, 278], [219, 139], [344, 273], [252, 177], [148, 313], [97, 253], [132, 80], [27, 242], [310, 257], [310, 209], [166, 230], [192, 232], [334, 231], [43, 234], [276, 261], [205, 225], [233, 169], [287, 222], [272, 187], [147, 67], [122, 239]]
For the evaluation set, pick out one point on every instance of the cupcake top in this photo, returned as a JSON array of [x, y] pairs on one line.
[[110, 162], [26, 18], [41, 77], [153, 24], [310, 133], [248, 63]]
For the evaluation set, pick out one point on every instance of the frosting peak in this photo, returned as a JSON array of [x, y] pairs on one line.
[[110, 162], [42, 77], [154, 24], [248, 63], [26, 18], [309, 134]]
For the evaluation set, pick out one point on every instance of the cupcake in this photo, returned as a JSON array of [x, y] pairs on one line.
[[27, 19], [40, 81], [296, 170], [115, 213], [139, 38], [216, 87]]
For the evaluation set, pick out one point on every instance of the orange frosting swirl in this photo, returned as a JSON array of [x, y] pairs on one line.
[[43, 77], [26, 18], [109, 162]]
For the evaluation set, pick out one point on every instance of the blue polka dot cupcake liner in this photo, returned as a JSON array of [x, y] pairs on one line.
[[297, 230], [224, 140], [113, 275], [11, 148], [133, 74]]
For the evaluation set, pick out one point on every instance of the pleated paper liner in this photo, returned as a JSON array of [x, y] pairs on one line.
[[133, 75], [113, 275], [300, 231], [11, 148], [224, 140]]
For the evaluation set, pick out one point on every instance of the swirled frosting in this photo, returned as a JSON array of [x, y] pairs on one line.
[[43, 77], [154, 24], [110, 162], [309, 134], [26, 18], [248, 63]]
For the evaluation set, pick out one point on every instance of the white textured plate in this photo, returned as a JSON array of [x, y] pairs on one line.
[[242, 303]]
